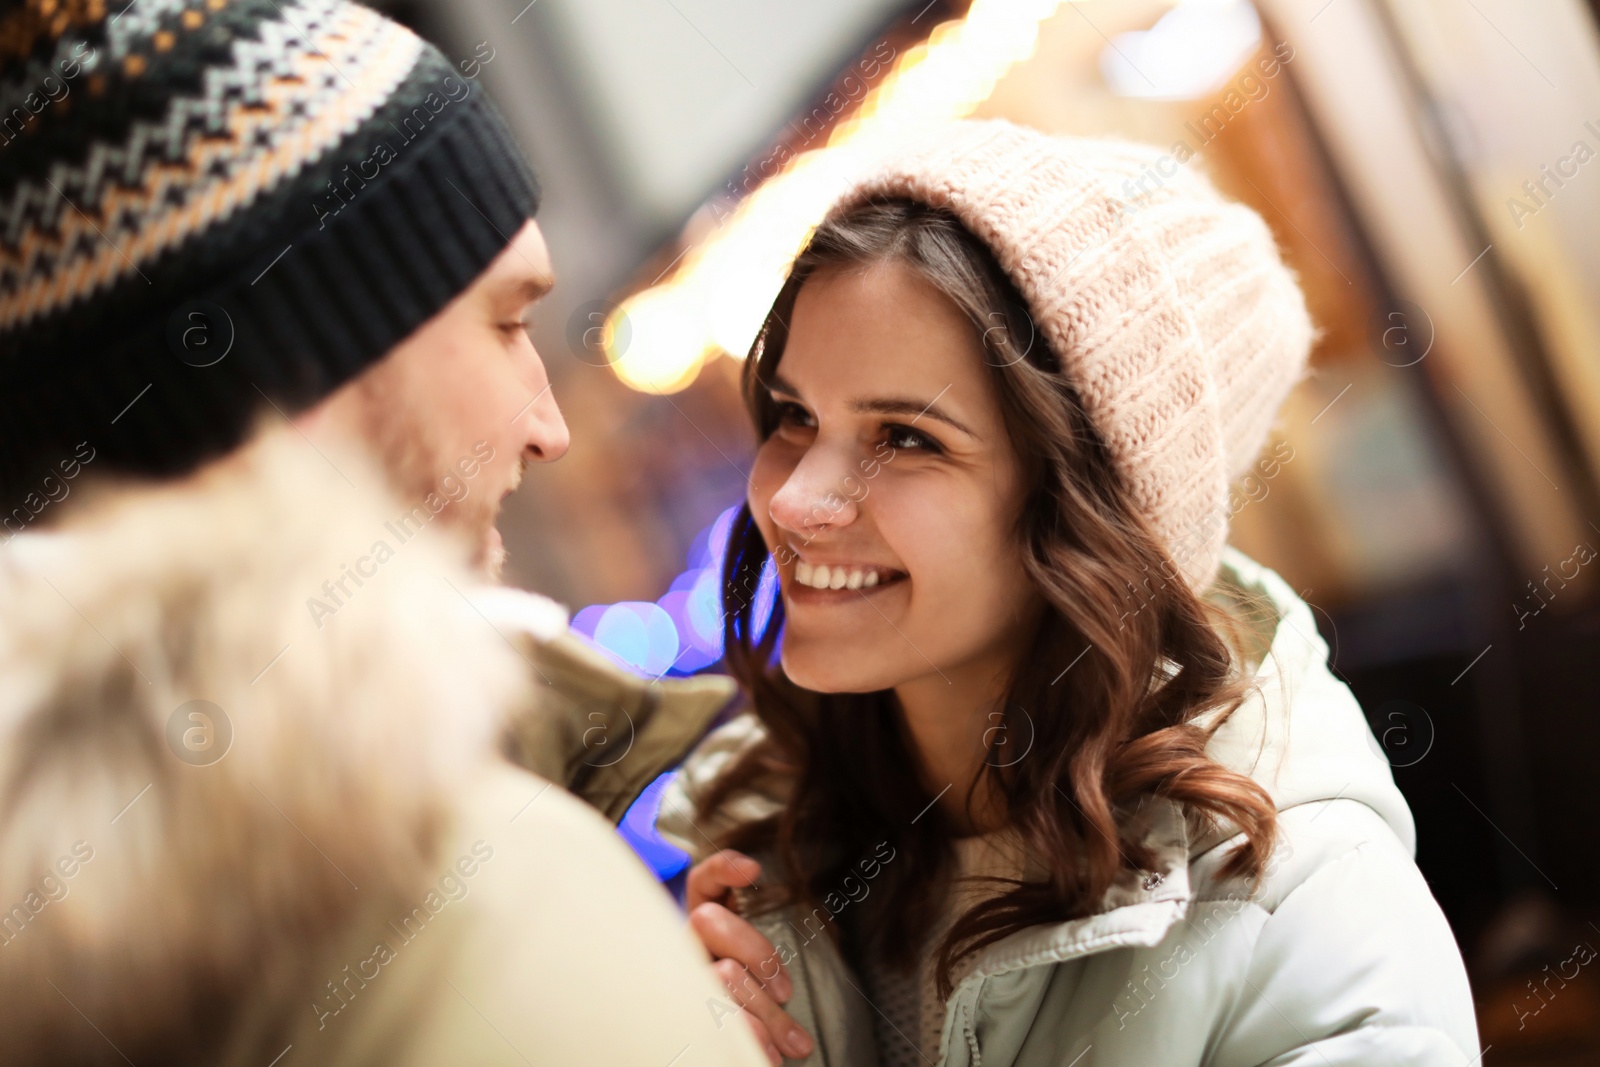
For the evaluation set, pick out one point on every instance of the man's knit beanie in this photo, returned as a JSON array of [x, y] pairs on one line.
[[207, 206], [1167, 306]]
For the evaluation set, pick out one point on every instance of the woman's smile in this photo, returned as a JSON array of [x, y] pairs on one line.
[[840, 581]]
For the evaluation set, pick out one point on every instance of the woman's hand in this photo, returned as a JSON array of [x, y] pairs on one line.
[[747, 963]]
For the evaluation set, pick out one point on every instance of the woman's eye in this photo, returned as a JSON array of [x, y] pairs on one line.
[[793, 415], [904, 437]]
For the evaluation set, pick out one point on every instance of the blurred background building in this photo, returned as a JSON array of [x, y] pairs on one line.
[[1432, 171]]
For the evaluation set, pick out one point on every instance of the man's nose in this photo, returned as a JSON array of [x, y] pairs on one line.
[[547, 436], [820, 493]]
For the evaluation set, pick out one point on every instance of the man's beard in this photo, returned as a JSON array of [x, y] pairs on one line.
[[419, 464], [491, 558]]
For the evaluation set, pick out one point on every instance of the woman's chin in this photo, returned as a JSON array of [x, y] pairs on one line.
[[835, 670]]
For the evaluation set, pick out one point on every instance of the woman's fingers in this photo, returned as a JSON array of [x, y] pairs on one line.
[[728, 935], [745, 960], [773, 1023], [712, 877]]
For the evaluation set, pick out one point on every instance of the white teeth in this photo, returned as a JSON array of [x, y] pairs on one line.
[[822, 576]]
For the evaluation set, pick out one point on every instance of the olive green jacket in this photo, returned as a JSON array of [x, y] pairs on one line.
[[600, 730]]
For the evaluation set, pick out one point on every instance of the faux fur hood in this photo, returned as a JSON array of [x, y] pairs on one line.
[[204, 781]]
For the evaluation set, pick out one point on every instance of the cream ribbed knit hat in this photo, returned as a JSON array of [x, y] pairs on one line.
[[1167, 306]]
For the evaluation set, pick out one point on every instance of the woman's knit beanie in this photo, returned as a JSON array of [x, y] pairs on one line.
[[211, 205], [1166, 306]]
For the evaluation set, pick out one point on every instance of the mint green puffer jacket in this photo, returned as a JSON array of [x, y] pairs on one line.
[[1341, 958]]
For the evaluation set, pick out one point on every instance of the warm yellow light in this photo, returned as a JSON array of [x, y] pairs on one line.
[[717, 298], [666, 343]]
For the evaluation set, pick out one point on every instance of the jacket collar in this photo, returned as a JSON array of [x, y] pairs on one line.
[[1300, 734], [1138, 909]]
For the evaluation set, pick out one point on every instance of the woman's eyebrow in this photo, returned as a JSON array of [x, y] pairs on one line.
[[899, 405], [886, 405], [779, 384]]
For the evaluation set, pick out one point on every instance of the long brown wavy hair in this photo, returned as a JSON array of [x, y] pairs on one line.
[[1148, 656]]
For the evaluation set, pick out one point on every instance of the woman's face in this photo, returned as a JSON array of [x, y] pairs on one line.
[[889, 492]]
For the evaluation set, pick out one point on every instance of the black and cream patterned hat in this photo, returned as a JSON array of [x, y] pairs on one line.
[[207, 205]]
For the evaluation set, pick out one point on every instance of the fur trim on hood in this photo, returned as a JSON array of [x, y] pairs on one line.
[[171, 872]]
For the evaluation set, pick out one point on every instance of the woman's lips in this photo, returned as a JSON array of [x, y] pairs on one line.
[[839, 583]]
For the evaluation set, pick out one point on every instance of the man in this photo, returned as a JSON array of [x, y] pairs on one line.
[[376, 291], [172, 264], [216, 849]]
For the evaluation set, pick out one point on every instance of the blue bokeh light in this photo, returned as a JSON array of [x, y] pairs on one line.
[[682, 632], [638, 829], [679, 634]]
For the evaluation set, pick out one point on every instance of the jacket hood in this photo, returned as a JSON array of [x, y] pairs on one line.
[[186, 710], [1301, 733]]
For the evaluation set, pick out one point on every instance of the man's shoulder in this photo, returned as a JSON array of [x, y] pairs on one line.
[[539, 902]]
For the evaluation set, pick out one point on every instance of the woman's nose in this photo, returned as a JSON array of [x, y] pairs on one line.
[[817, 495]]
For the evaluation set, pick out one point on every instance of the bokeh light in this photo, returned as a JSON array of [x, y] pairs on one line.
[[682, 632]]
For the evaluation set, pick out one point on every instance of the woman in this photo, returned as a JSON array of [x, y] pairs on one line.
[[1043, 773]]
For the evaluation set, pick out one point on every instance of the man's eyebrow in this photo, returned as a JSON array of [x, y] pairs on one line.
[[887, 405], [528, 289]]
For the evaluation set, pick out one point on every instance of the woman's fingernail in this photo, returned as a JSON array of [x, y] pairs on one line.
[[798, 1043]]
